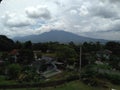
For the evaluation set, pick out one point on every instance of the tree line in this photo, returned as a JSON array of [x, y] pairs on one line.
[[68, 54]]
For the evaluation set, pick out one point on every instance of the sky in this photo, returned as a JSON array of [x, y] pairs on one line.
[[90, 18]]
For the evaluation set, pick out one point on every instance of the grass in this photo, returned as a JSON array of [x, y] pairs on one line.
[[49, 54], [3, 81], [75, 85], [63, 75], [7, 82]]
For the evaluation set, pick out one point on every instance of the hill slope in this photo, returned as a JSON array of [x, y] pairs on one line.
[[59, 36], [6, 44]]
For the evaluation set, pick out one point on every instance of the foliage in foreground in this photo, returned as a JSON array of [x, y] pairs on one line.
[[75, 85], [94, 75]]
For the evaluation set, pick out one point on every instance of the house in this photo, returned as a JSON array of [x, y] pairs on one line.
[[104, 54], [14, 54], [36, 54], [99, 62], [44, 62], [1, 62], [46, 65]]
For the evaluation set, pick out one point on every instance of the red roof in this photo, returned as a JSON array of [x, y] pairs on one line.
[[14, 52]]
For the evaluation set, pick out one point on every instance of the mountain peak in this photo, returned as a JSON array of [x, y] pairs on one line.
[[59, 36]]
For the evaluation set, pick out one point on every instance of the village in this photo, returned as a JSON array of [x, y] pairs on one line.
[[27, 62], [43, 62]]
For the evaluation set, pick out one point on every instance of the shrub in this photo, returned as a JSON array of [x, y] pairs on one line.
[[13, 71]]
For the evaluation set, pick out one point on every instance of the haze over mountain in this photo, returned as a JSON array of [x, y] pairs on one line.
[[59, 36]]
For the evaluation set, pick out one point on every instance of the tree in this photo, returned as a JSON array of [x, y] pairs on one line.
[[18, 45], [6, 44], [98, 46], [89, 47], [66, 54], [115, 62], [75, 47], [37, 46], [114, 47], [40, 46], [25, 56], [13, 71], [28, 45], [4, 56]]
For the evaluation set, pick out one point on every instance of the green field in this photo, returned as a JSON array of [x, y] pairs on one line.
[[75, 85]]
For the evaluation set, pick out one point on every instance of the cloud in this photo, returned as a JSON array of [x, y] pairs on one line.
[[18, 32], [73, 11], [104, 35], [96, 18], [115, 27], [114, 1], [104, 12], [53, 25], [38, 12], [83, 10], [13, 20]]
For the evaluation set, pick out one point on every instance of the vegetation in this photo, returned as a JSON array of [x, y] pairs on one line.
[[76, 85], [13, 71], [66, 54], [6, 44], [27, 62]]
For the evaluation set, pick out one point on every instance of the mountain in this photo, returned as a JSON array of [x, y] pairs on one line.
[[59, 36]]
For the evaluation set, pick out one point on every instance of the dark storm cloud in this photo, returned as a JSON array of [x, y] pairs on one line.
[[114, 1], [104, 12]]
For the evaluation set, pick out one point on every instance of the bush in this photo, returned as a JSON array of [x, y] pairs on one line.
[[114, 78], [13, 71], [111, 76], [2, 78], [88, 75]]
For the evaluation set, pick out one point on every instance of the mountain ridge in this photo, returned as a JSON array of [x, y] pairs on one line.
[[58, 36]]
